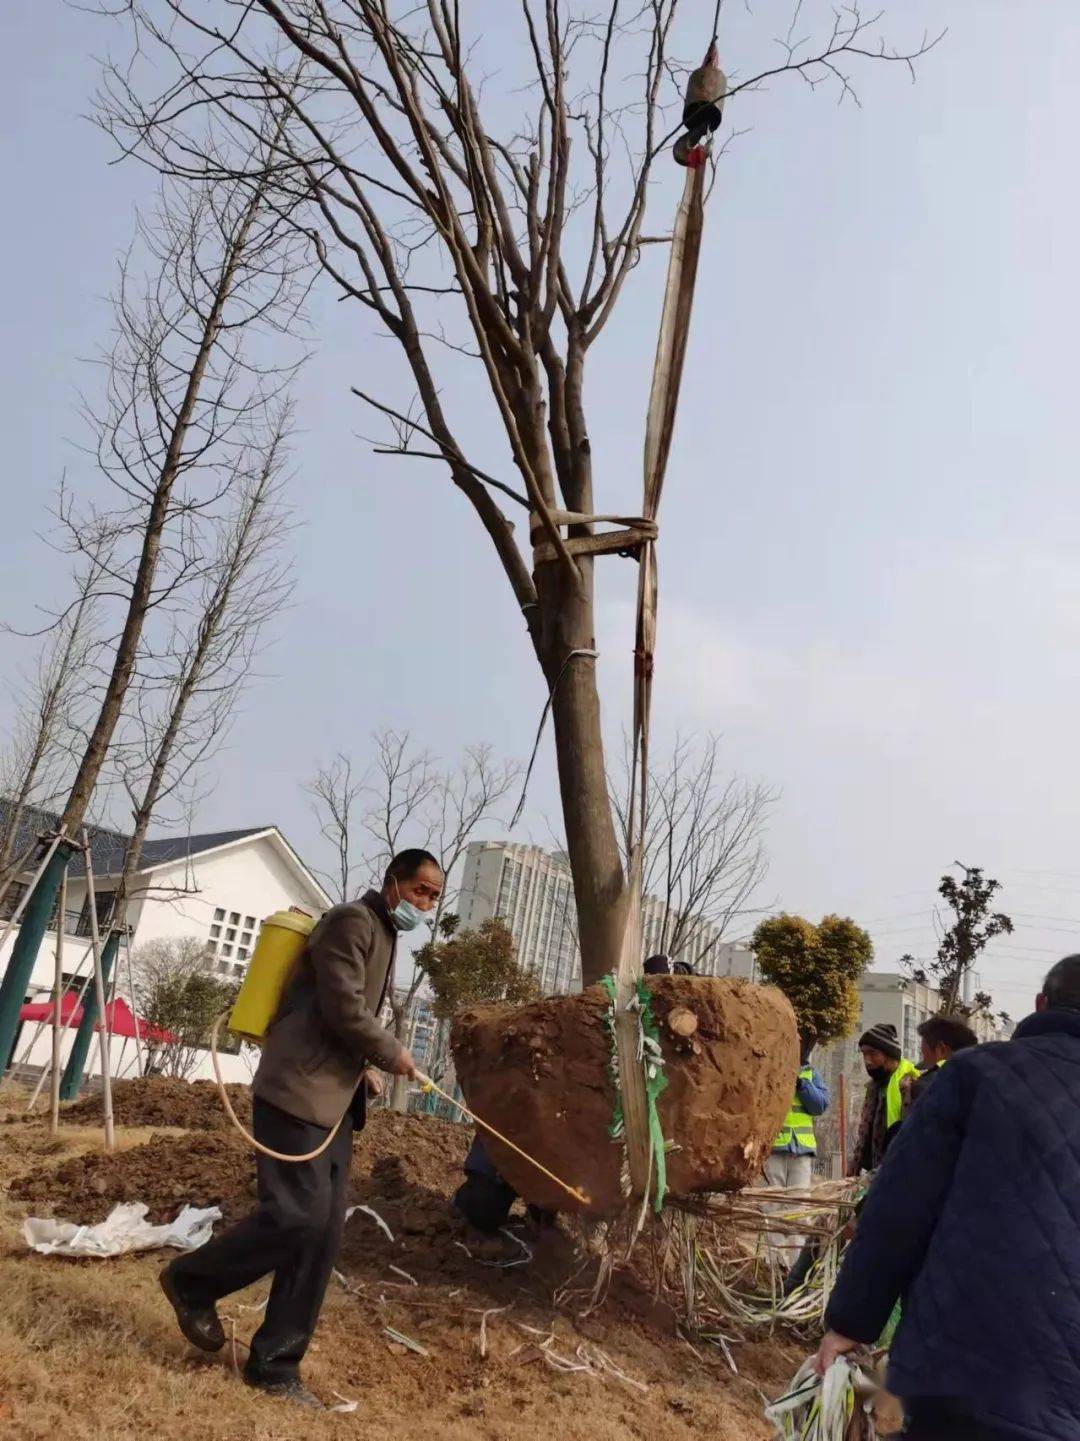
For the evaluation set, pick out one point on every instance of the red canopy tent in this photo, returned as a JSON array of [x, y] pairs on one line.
[[122, 1021], [70, 1010]]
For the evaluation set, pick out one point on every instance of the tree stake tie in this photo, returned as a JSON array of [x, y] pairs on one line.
[[428, 1085]]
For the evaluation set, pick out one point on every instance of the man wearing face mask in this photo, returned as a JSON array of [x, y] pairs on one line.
[[312, 1077], [883, 1106]]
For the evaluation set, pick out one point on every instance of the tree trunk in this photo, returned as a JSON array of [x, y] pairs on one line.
[[399, 1085], [142, 588], [591, 841]]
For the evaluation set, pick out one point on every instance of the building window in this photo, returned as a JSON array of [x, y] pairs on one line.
[[223, 968], [103, 906], [230, 934], [249, 922], [911, 1040], [226, 950], [234, 918], [215, 933], [243, 952], [245, 939], [238, 970], [219, 914]]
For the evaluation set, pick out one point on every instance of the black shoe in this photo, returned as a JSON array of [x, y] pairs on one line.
[[294, 1391], [200, 1324]]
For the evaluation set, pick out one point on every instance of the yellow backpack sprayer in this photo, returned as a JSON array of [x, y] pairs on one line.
[[282, 938]]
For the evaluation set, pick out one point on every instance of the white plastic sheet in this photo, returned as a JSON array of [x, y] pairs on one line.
[[124, 1229]]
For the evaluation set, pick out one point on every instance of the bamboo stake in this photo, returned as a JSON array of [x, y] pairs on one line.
[[139, 1068], [16, 914], [58, 991], [843, 1125], [99, 991], [114, 986], [427, 1084], [65, 1024]]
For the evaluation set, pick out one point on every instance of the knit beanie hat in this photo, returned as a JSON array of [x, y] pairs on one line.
[[883, 1038]]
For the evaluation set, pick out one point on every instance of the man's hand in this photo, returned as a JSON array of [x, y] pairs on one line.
[[832, 1347], [374, 1083], [404, 1065]]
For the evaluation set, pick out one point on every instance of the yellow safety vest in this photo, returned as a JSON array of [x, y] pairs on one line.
[[894, 1101], [797, 1123]]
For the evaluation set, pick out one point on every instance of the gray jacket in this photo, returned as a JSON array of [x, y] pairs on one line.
[[326, 1031]]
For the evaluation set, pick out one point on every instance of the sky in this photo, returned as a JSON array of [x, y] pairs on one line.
[[869, 529]]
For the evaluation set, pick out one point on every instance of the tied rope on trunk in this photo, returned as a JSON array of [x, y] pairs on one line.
[[652, 1060]]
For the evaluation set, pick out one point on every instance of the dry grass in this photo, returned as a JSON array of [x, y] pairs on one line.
[[89, 1351]]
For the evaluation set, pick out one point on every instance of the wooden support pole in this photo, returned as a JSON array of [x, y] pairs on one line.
[[99, 991], [58, 993], [65, 1025], [126, 939], [843, 1125], [24, 900]]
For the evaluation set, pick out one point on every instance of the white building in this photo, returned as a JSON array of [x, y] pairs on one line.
[[421, 1025], [216, 888], [532, 891]]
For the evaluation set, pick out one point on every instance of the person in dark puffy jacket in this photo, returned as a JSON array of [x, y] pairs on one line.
[[973, 1222]]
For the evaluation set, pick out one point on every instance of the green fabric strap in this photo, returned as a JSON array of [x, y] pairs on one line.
[[655, 1084], [655, 1081]]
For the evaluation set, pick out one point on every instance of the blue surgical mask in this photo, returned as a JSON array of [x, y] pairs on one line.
[[406, 916]]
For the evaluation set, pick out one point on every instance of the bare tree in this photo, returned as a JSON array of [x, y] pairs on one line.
[[405, 797], [188, 694], [471, 238], [216, 270], [183, 387], [703, 855], [335, 793], [36, 763]]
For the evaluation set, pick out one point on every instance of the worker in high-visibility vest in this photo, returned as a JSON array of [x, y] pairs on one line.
[[883, 1107], [792, 1161], [791, 1165]]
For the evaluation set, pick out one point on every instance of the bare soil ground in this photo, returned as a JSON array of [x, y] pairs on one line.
[[88, 1349]]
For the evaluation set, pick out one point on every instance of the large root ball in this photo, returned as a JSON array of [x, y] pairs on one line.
[[540, 1074]]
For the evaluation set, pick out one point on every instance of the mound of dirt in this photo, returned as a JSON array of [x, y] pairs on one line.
[[163, 1101], [406, 1169], [540, 1074], [166, 1173], [399, 1163]]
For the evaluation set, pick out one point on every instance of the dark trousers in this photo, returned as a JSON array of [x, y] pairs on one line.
[[295, 1232], [934, 1419]]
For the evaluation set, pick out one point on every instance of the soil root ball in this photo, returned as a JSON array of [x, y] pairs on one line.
[[540, 1074]]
